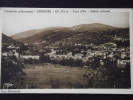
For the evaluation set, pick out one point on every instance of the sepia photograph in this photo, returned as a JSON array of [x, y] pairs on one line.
[[65, 48]]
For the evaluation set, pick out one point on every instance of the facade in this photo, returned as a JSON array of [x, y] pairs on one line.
[[30, 56]]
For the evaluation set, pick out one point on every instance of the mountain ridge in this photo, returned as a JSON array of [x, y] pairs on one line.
[[82, 27], [83, 33]]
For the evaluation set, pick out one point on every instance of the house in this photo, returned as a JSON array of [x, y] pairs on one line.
[[69, 54], [12, 51], [5, 54], [111, 55], [123, 55], [121, 63], [25, 44], [30, 56], [79, 44], [79, 55], [11, 54], [15, 54], [110, 44], [85, 59]]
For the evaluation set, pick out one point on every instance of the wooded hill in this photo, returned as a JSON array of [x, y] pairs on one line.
[[85, 33]]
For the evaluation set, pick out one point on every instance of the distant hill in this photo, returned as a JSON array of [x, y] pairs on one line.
[[78, 28], [46, 35], [84, 33], [26, 34], [92, 27]]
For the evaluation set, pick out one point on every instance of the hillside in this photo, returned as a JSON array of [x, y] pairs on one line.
[[26, 34], [85, 34], [78, 28], [8, 41]]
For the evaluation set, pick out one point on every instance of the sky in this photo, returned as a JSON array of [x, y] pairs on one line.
[[13, 23]]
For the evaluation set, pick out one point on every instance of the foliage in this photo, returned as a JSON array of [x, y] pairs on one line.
[[110, 78], [11, 72]]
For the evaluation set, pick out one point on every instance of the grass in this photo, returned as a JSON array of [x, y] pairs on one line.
[[54, 76]]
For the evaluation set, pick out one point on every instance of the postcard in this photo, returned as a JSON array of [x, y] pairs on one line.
[[66, 50]]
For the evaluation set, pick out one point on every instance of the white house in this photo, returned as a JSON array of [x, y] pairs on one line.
[[30, 56]]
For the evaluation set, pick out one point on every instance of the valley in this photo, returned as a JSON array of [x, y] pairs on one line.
[[83, 56]]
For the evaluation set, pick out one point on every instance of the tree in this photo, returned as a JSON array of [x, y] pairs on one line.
[[11, 72]]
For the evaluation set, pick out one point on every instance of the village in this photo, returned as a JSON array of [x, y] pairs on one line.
[[79, 49], [87, 54]]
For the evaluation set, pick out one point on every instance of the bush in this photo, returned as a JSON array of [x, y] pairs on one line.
[[110, 78], [11, 72]]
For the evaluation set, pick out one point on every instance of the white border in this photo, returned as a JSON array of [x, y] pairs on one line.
[[81, 91]]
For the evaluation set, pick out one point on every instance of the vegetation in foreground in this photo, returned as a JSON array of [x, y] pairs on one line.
[[12, 75], [51, 76], [17, 75]]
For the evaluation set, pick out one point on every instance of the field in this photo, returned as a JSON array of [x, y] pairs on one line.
[[54, 76]]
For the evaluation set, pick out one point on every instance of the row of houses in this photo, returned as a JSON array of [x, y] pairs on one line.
[[124, 55], [12, 51]]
